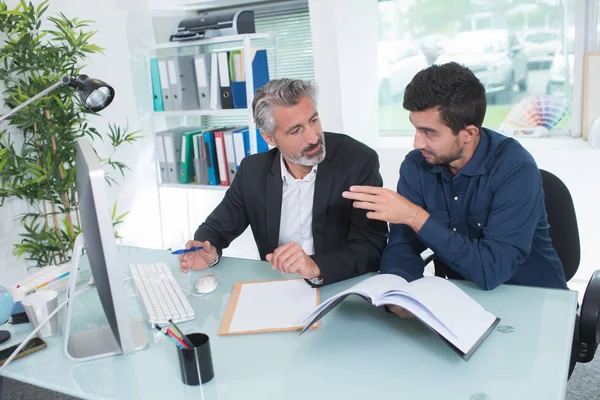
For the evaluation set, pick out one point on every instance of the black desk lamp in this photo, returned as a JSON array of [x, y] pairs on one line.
[[94, 94]]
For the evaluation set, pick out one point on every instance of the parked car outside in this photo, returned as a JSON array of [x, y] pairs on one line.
[[433, 45], [540, 46], [398, 63], [495, 56]]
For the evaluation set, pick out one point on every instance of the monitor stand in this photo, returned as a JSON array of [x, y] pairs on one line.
[[97, 342]]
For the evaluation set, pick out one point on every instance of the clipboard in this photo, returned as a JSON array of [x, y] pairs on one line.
[[269, 306]]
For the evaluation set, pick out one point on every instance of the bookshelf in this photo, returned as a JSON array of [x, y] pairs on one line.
[[201, 113], [183, 206], [162, 120]]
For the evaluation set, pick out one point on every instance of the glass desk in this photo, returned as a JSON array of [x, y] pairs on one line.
[[359, 352]]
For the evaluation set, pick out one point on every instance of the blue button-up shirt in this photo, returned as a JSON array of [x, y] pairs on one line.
[[487, 223]]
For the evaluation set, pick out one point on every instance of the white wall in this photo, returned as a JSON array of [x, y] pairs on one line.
[[344, 36]]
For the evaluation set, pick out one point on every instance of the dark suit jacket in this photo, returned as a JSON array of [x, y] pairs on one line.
[[347, 243]]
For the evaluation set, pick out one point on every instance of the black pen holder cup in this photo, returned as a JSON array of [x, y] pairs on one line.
[[197, 361]]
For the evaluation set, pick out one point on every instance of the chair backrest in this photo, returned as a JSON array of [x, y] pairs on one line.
[[563, 222]]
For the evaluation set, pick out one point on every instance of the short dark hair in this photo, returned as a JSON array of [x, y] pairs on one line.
[[454, 89]]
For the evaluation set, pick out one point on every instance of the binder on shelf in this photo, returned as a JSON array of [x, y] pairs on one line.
[[224, 80], [157, 96], [171, 153], [261, 145], [174, 83], [260, 76], [165, 86], [240, 148], [186, 167], [215, 87], [221, 158], [236, 66], [187, 82], [202, 68], [162, 159], [211, 157], [230, 153], [200, 166], [172, 145]]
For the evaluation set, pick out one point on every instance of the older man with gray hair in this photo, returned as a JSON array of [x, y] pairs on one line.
[[291, 196]]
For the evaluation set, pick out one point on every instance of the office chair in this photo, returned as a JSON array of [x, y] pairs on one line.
[[565, 240]]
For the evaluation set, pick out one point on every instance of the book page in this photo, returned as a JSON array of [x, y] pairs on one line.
[[445, 303], [273, 305], [371, 289]]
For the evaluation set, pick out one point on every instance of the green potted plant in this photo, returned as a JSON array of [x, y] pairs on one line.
[[38, 144]]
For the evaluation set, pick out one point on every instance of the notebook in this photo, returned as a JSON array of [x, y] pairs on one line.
[[438, 303], [269, 306]]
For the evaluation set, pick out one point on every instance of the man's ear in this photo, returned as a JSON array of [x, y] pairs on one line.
[[470, 133], [268, 138]]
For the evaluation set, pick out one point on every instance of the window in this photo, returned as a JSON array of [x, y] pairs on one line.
[[516, 51]]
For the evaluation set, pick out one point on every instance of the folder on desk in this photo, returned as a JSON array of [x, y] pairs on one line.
[[202, 68], [157, 96], [269, 306]]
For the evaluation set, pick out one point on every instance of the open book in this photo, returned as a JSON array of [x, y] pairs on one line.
[[437, 302]]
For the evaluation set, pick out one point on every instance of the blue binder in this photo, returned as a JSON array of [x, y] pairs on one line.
[[260, 75], [157, 96], [261, 145], [211, 157]]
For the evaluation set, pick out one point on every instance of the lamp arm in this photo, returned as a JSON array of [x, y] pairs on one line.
[[63, 81]]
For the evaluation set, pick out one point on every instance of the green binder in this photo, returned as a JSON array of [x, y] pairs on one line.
[[186, 167]]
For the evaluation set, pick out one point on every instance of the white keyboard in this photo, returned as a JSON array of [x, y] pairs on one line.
[[160, 294]]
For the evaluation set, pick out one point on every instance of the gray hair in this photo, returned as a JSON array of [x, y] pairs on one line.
[[280, 92]]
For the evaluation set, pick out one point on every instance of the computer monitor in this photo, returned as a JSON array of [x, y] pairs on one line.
[[122, 334]]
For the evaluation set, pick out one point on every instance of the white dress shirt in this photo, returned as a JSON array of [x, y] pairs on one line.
[[296, 209]]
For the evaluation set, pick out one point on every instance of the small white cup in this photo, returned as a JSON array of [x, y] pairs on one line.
[[38, 306]]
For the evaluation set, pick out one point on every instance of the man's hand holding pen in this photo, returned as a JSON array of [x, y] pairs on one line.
[[197, 260]]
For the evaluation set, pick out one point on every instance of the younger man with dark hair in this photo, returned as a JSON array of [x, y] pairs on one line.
[[470, 194]]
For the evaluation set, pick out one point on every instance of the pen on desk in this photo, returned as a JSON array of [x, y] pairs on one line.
[[183, 337], [181, 251]]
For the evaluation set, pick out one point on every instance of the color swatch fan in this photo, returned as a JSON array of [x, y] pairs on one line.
[[535, 116]]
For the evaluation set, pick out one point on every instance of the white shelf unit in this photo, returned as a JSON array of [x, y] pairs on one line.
[[193, 186], [201, 113], [215, 44], [213, 40], [177, 202]]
